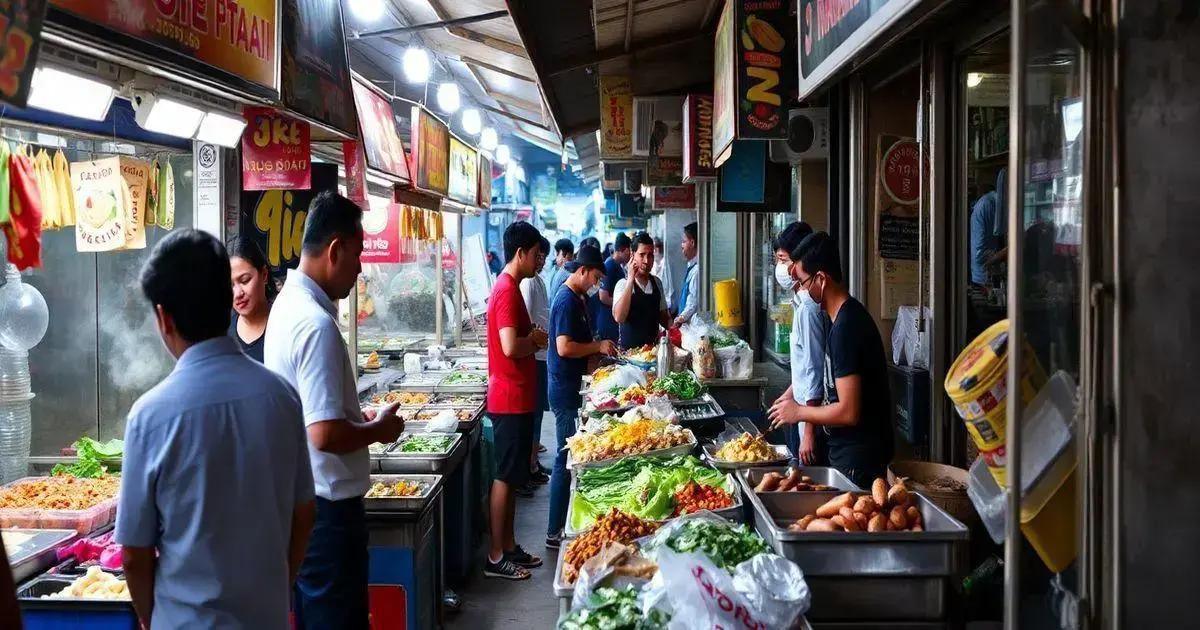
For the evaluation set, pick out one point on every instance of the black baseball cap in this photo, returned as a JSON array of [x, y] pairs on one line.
[[587, 256]]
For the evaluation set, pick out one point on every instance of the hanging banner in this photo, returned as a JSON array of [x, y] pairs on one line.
[[830, 33], [431, 152], [464, 173], [381, 233], [485, 183], [698, 139], [315, 77], [616, 117], [664, 171], [674, 197], [137, 179], [356, 173], [276, 153], [724, 85], [274, 219], [101, 205], [381, 142], [238, 38], [20, 39]]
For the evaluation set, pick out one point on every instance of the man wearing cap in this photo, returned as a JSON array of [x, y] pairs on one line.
[[571, 345]]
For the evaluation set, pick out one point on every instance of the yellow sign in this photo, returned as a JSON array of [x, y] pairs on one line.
[[616, 117], [283, 225]]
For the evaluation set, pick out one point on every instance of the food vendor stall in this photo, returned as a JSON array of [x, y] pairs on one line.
[[404, 524]]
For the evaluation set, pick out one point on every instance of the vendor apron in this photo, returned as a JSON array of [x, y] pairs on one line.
[[861, 461], [641, 325]]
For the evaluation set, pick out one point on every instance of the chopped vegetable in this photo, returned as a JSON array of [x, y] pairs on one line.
[[92, 456], [726, 544], [465, 378], [612, 609], [641, 486], [693, 497], [426, 444], [678, 386]]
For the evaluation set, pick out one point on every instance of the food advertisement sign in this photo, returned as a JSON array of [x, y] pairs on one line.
[[664, 171], [137, 180], [275, 151], [431, 152], [101, 202], [315, 77], [675, 197], [698, 139], [274, 219], [20, 37], [724, 85], [830, 33], [464, 173], [485, 182], [356, 172], [238, 37], [381, 233], [381, 141], [616, 117]]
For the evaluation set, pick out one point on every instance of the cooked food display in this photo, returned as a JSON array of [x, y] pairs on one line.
[[63, 492], [615, 526], [627, 438], [95, 584], [884, 509], [791, 481], [458, 400], [611, 608], [678, 386], [747, 448], [693, 497], [398, 489], [463, 415], [645, 354], [372, 362], [465, 378], [403, 398], [619, 560], [644, 487], [425, 443]]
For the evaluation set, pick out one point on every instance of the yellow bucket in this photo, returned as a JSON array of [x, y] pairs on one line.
[[728, 302], [1048, 514]]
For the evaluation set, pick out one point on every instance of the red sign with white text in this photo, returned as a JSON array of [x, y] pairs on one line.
[[356, 172], [276, 154], [381, 234]]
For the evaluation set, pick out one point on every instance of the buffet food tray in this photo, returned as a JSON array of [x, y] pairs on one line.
[[710, 455], [732, 513], [697, 411], [562, 590], [393, 461], [429, 485], [82, 522], [681, 449], [30, 596], [37, 552], [824, 475]]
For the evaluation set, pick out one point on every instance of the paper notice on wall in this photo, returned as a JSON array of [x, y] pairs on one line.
[[897, 285], [100, 196]]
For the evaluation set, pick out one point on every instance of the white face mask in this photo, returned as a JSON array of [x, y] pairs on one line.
[[805, 298], [593, 290], [784, 278]]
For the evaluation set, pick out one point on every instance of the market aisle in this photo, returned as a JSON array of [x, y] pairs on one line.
[[493, 603]]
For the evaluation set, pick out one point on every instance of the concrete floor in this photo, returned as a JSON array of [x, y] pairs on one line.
[[494, 603]]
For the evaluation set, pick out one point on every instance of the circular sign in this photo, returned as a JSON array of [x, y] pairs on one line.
[[375, 220], [900, 172], [208, 155]]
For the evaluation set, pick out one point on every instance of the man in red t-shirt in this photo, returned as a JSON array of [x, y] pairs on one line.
[[512, 397]]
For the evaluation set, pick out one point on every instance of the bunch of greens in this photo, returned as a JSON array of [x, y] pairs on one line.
[[465, 378], [426, 444], [641, 486], [92, 458], [721, 338], [726, 544], [679, 386], [610, 608]]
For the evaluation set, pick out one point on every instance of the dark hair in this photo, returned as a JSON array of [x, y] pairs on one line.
[[249, 251], [519, 235], [544, 245], [564, 246], [658, 242], [608, 250], [591, 240], [642, 238], [187, 274], [818, 252], [690, 230], [330, 215], [791, 236], [621, 242]]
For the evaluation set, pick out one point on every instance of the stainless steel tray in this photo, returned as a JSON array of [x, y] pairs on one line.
[[707, 410], [872, 602], [682, 449], [37, 553], [448, 399], [937, 551], [710, 455], [562, 590], [429, 485], [417, 463], [824, 475], [732, 513]]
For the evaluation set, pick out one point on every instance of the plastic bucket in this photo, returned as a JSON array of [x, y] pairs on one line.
[[728, 302], [1048, 515]]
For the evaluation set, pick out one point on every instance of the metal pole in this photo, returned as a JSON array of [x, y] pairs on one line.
[[1016, 347], [857, 171], [402, 30], [458, 275]]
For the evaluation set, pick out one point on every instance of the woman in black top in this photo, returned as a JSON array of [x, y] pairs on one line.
[[253, 292]]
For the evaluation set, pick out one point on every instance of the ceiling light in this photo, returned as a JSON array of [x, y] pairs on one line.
[[974, 79], [367, 10], [220, 128], [502, 154], [416, 64], [488, 139], [448, 98], [166, 116], [71, 94], [471, 121]]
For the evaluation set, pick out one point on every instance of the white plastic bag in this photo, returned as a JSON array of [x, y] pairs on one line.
[[691, 332], [736, 361], [910, 346], [621, 376], [446, 421]]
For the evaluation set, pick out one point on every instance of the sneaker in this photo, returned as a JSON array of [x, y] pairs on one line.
[[539, 476], [554, 541], [504, 569], [522, 558]]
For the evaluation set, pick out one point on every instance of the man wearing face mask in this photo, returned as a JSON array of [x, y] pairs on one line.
[[857, 419], [571, 345], [807, 349]]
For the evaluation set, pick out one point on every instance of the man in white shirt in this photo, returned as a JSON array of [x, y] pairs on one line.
[[639, 303], [662, 271], [689, 297], [304, 345], [537, 302]]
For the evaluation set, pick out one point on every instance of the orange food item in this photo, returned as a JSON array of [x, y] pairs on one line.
[[694, 497]]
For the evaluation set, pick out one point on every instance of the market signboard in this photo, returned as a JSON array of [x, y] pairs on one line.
[[381, 141], [274, 219], [698, 139], [236, 37], [381, 233], [20, 38], [724, 85], [664, 171], [616, 117], [674, 197], [485, 182], [431, 152], [315, 77], [464, 173], [356, 172], [833, 31], [276, 152], [102, 201]]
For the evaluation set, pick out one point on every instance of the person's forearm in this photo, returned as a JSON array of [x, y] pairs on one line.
[[664, 319], [342, 436], [836, 414], [606, 298], [621, 304], [138, 564], [303, 518], [579, 350]]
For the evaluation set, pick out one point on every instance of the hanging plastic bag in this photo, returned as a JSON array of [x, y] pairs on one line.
[[446, 421], [909, 345], [736, 361], [691, 332], [43, 173], [166, 196], [152, 194]]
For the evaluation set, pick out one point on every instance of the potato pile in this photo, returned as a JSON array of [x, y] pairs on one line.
[[792, 481], [884, 510]]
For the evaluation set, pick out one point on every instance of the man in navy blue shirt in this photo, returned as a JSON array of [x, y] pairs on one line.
[[614, 272], [571, 344]]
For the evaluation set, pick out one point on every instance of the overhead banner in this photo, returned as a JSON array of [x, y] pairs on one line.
[[356, 172], [664, 171], [236, 37], [674, 197], [381, 142], [464, 173], [20, 39], [274, 219], [276, 153], [315, 77], [724, 85], [830, 33], [698, 139], [485, 182], [431, 152], [381, 233], [616, 117]]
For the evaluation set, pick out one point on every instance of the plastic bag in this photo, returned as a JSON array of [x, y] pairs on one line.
[[446, 421], [620, 376], [704, 361], [736, 361], [616, 566], [697, 327], [909, 345]]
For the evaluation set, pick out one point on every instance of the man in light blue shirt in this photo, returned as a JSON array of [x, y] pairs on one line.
[[989, 227], [689, 295], [216, 497], [564, 252]]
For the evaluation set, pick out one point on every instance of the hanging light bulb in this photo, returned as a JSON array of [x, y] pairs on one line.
[[448, 97], [488, 139], [471, 121], [502, 154], [416, 64], [974, 79], [367, 10]]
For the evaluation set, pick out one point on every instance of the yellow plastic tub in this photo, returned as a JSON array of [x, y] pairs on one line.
[[1048, 514], [728, 302]]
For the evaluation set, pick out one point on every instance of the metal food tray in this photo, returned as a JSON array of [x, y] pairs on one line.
[[39, 552], [30, 596], [562, 590], [472, 400], [707, 410], [705, 398], [732, 513], [824, 475], [429, 485], [939, 550], [681, 449], [414, 463], [710, 455]]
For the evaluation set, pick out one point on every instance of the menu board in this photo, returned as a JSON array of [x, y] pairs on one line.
[[381, 142], [616, 117], [464, 173], [431, 152], [485, 182], [315, 77]]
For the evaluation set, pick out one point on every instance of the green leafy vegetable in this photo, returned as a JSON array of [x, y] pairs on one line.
[[613, 609], [465, 378], [92, 457], [726, 544], [679, 386], [426, 444], [641, 486]]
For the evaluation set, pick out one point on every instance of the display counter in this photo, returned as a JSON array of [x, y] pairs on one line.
[[406, 547]]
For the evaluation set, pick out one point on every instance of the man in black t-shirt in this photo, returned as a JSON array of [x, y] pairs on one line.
[[857, 419]]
